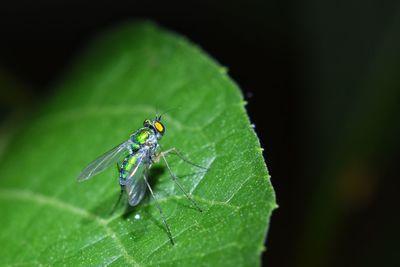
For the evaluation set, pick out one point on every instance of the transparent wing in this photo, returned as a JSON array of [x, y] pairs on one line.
[[135, 185], [104, 161]]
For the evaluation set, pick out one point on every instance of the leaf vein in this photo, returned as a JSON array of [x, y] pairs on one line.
[[59, 204]]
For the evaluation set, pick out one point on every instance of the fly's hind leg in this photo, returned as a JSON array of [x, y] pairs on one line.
[[119, 199]]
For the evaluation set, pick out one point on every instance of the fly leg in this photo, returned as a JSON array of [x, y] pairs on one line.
[[176, 152], [175, 179], [160, 210], [119, 199]]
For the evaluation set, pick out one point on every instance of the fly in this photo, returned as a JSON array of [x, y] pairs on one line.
[[134, 158]]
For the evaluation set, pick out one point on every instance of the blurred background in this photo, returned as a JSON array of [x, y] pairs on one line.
[[322, 81]]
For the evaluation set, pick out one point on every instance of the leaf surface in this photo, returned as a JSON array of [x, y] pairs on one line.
[[128, 74]]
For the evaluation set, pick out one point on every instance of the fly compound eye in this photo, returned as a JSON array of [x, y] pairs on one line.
[[146, 123], [159, 127]]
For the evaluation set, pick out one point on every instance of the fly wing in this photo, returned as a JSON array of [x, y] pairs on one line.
[[136, 190], [135, 185], [104, 161]]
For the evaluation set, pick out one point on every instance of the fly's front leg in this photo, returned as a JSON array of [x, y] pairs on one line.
[[176, 152], [175, 179]]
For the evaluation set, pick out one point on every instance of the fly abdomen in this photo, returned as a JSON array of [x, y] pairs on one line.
[[127, 165]]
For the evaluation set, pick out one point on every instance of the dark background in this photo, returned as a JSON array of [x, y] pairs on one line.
[[322, 80]]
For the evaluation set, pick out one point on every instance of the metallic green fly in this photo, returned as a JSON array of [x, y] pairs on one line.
[[133, 158]]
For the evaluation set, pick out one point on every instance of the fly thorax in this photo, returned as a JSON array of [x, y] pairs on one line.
[[141, 136]]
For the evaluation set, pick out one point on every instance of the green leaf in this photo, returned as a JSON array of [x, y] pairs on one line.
[[128, 75]]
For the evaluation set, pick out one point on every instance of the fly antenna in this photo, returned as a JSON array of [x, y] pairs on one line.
[[158, 117]]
